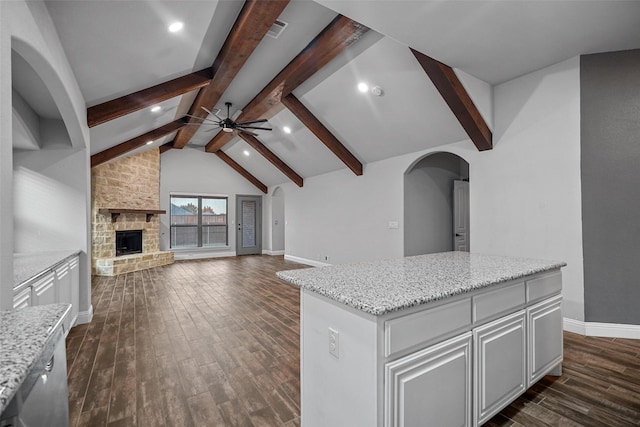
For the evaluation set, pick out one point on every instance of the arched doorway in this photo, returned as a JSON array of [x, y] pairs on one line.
[[429, 203], [277, 221]]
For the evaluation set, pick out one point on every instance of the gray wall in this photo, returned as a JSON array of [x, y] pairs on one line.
[[428, 203], [610, 164]]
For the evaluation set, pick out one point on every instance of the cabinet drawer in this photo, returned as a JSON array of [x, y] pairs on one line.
[[500, 301], [544, 286], [424, 326]]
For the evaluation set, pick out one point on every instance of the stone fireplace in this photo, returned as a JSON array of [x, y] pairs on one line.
[[125, 197]]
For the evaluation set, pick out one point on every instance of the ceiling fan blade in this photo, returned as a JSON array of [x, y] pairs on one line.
[[251, 127], [212, 113], [204, 119], [250, 122]]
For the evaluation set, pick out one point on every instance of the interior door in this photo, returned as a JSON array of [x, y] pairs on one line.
[[461, 216], [249, 225]]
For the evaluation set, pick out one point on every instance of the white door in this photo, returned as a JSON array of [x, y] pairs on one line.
[[461, 216], [248, 219]]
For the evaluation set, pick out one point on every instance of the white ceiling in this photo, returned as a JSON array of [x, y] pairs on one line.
[[118, 47]]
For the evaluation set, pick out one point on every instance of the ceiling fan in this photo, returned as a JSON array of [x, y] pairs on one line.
[[229, 124]]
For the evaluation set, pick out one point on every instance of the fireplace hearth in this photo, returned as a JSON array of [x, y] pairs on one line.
[[128, 242]]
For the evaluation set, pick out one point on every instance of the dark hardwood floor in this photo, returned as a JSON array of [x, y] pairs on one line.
[[216, 343]]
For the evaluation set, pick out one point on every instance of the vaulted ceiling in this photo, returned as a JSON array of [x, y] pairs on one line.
[[126, 61]]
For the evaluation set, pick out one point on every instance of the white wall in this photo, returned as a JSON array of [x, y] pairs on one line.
[[189, 171], [49, 200], [27, 28], [524, 194]]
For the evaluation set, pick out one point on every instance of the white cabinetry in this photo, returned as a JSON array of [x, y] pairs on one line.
[[44, 290], [431, 386], [456, 361], [500, 369], [545, 338], [22, 299], [74, 273], [57, 284]]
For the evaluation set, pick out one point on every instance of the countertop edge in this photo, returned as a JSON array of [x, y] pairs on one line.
[[361, 303], [12, 385], [40, 270]]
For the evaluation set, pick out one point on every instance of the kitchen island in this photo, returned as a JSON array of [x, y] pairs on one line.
[[440, 339]]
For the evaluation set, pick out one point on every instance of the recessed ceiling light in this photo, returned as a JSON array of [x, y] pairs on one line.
[[363, 87], [156, 108], [246, 152], [175, 27], [286, 129], [149, 142]]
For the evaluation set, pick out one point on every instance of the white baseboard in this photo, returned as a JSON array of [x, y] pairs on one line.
[[305, 261], [595, 329], [268, 252], [84, 316], [181, 256]]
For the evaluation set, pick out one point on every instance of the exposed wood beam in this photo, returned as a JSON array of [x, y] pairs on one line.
[[252, 24], [119, 107], [166, 147], [318, 129], [457, 98], [334, 39], [138, 141], [242, 171], [271, 157]]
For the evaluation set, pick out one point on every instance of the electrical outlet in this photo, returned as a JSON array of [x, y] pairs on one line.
[[334, 343]]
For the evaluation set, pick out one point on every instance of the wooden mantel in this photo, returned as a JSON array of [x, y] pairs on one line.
[[115, 212]]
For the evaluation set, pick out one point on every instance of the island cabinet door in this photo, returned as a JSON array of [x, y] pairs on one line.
[[545, 338], [500, 359], [431, 387]]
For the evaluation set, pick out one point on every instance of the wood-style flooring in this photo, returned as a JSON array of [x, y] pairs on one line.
[[216, 343]]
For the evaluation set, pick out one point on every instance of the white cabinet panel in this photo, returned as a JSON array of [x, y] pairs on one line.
[[431, 387], [500, 364], [74, 273], [424, 326], [504, 300], [544, 286], [545, 337], [22, 299], [44, 290]]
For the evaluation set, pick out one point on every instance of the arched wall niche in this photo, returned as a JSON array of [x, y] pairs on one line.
[[78, 136], [429, 203]]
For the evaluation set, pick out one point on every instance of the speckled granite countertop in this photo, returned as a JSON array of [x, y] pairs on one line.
[[381, 287], [29, 265], [23, 336]]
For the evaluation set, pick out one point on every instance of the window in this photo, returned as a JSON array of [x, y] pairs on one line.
[[198, 221]]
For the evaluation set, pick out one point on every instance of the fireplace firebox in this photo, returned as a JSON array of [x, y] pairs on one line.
[[128, 242]]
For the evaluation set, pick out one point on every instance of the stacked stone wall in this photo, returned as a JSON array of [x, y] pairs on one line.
[[128, 183]]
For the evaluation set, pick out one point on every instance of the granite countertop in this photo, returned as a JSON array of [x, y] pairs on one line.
[[29, 265], [23, 335], [381, 287]]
